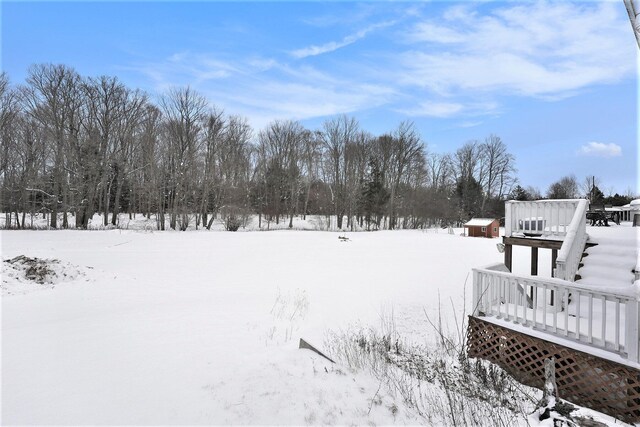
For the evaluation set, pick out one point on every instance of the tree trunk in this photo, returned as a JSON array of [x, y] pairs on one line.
[[54, 210], [116, 204], [105, 205], [161, 221], [210, 223], [65, 204]]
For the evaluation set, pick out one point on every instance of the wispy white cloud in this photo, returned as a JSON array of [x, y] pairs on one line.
[[335, 45], [469, 124], [434, 109], [449, 109], [600, 149], [185, 68], [264, 89], [549, 50], [460, 64]]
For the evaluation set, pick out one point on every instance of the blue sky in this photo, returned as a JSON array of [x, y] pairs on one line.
[[557, 81]]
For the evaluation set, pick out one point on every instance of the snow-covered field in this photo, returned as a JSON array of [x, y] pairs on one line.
[[203, 327]]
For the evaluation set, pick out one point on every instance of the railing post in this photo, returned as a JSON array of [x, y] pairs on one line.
[[632, 320], [560, 270], [475, 308], [507, 218]]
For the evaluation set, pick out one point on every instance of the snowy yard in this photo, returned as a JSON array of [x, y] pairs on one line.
[[203, 327]]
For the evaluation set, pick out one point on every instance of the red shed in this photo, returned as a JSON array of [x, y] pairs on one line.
[[482, 227]]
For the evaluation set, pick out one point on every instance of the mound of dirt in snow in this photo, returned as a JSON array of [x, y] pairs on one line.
[[22, 274]]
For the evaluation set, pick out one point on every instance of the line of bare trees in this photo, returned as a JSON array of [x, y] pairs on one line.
[[75, 146]]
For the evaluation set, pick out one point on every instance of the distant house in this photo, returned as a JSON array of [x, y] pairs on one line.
[[482, 227], [631, 210]]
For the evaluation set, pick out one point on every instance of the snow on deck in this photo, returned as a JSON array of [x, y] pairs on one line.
[[610, 264]]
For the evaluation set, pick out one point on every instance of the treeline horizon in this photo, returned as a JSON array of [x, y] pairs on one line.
[[75, 145]]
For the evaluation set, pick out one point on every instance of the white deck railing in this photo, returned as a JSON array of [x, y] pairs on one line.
[[540, 217], [561, 219], [600, 319]]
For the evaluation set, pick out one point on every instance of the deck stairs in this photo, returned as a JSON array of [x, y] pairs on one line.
[[610, 263]]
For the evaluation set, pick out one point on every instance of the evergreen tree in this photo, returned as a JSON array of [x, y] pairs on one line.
[[469, 194], [374, 196], [597, 196], [617, 200], [520, 194]]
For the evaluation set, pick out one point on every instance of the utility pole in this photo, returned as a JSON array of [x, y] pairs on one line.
[[632, 11]]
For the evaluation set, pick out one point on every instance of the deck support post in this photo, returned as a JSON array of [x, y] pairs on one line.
[[508, 256]]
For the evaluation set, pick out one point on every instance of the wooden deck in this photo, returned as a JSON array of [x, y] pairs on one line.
[[518, 321]]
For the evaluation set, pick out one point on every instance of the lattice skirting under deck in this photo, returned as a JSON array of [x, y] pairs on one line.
[[582, 378]]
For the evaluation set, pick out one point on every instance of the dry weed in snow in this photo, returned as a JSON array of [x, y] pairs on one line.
[[438, 382], [288, 311]]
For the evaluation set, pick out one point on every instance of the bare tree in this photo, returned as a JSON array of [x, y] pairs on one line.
[[184, 111], [465, 162], [565, 188], [127, 129], [214, 130], [440, 171], [498, 170], [10, 119], [97, 157], [357, 157], [234, 170], [47, 99], [9, 111], [281, 142], [148, 176], [311, 164], [534, 192], [336, 135], [408, 150], [588, 185]]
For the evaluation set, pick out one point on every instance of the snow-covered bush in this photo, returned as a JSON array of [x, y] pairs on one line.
[[232, 223]]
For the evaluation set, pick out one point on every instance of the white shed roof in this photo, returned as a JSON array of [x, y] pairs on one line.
[[479, 222]]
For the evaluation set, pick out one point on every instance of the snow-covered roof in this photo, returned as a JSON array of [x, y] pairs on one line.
[[634, 205], [479, 222]]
